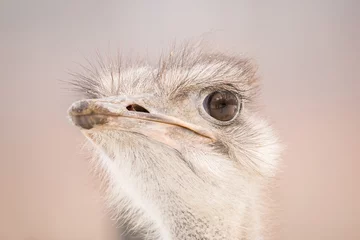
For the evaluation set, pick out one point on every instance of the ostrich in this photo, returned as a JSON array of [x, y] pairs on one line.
[[184, 152]]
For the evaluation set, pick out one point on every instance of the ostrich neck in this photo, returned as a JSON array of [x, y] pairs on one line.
[[180, 205], [185, 216], [220, 222]]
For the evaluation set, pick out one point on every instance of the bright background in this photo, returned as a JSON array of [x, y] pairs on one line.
[[309, 58]]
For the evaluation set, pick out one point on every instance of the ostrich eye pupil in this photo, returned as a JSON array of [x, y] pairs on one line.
[[222, 106]]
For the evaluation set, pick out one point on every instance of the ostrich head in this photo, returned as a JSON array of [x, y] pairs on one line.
[[183, 150]]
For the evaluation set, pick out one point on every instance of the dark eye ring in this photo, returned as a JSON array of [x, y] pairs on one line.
[[222, 105]]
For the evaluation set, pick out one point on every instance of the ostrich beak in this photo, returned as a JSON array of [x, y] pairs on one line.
[[126, 115]]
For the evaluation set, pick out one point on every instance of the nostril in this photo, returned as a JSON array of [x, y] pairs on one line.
[[136, 108]]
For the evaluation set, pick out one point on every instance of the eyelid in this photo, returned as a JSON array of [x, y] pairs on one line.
[[221, 88]]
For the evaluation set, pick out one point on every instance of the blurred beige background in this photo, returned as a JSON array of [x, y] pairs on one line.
[[309, 57]]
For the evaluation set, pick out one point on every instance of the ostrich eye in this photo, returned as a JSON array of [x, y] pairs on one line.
[[222, 105]]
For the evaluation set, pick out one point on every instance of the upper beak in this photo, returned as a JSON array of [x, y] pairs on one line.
[[109, 112]]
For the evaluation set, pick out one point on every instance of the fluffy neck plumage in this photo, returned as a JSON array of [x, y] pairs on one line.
[[188, 202]]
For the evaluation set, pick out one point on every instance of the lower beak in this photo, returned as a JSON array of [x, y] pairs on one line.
[[92, 113]]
